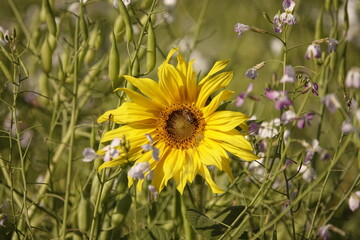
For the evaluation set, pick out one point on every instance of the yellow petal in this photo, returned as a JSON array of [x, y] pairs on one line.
[[158, 181], [134, 132], [204, 172], [233, 137], [150, 88], [226, 168], [218, 66], [171, 82], [239, 152], [211, 85], [141, 100], [209, 156], [187, 71], [215, 102], [113, 163], [128, 112], [225, 120]]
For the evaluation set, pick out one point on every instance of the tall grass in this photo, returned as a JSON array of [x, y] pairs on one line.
[[60, 62]]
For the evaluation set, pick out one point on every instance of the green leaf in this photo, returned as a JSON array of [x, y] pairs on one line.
[[206, 227], [214, 228]]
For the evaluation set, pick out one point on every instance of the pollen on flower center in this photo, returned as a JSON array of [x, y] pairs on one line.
[[181, 125]]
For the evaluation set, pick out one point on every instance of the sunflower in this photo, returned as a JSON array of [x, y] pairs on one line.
[[189, 133]]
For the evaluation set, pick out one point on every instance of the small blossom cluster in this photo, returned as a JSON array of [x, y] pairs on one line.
[[301, 121], [331, 102], [247, 94], [311, 86], [279, 97], [252, 73], [286, 17], [111, 152], [115, 148], [314, 50]]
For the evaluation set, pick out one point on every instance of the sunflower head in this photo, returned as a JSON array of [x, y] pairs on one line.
[[188, 133]]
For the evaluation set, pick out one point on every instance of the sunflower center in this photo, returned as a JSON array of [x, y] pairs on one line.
[[181, 125]]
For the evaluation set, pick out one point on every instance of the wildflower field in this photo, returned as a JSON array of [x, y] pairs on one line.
[[179, 119]]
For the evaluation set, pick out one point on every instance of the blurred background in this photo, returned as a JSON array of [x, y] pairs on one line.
[[43, 103]]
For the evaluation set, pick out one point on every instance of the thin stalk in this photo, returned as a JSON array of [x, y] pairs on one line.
[[74, 112], [340, 150], [319, 199], [199, 24], [97, 205]]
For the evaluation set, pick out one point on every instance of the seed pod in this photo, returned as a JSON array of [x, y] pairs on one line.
[[83, 24], [114, 61], [128, 26], [84, 214], [44, 90], [119, 27], [52, 41], [6, 72], [136, 67], [24, 68], [46, 56], [106, 233], [319, 25], [346, 17], [106, 190], [328, 5], [95, 186], [151, 49], [49, 17], [121, 210]]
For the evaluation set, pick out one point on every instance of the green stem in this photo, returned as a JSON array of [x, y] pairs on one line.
[[74, 113], [199, 24], [340, 150]]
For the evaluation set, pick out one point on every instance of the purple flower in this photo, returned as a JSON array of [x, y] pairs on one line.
[[347, 127], [251, 73], [305, 119], [277, 23], [241, 98], [331, 102], [288, 117], [287, 18], [354, 201], [282, 102], [289, 75], [262, 146], [111, 150], [313, 51], [280, 98], [324, 232], [332, 44], [150, 147], [353, 78], [138, 170], [241, 28], [89, 155], [313, 86], [311, 150], [288, 5], [254, 128]]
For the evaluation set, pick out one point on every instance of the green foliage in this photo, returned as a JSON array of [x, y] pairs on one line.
[[60, 62]]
